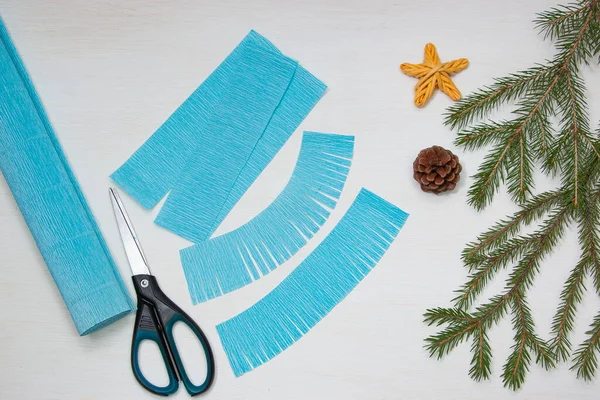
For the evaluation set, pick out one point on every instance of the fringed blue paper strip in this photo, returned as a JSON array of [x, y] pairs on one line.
[[317, 285], [52, 204], [237, 258], [218, 141]]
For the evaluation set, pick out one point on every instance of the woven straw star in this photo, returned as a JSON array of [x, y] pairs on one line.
[[432, 74]]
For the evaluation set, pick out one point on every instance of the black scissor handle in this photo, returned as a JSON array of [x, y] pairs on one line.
[[156, 317]]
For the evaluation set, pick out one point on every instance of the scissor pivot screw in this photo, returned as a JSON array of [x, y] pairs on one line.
[[144, 283]]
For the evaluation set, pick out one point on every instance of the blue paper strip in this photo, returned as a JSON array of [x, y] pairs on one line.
[[302, 95], [153, 169], [237, 258], [52, 203], [315, 287], [218, 141]]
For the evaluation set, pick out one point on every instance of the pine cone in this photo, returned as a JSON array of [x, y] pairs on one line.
[[437, 169]]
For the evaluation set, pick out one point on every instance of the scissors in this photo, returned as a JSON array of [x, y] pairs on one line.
[[156, 316]]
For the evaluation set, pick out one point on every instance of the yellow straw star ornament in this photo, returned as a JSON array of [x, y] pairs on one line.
[[432, 74]]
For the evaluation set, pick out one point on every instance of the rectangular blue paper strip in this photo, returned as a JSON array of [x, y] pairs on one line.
[[315, 287], [217, 142], [237, 258], [51, 201]]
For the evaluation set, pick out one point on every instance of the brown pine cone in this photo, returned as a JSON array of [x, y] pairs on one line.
[[436, 169]]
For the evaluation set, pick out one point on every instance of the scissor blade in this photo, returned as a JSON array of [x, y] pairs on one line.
[[133, 249]]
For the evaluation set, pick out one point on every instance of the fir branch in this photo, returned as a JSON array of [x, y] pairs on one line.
[[520, 172], [488, 268], [543, 355], [445, 341], [439, 316], [546, 239], [571, 151], [480, 104], [580, 44], [589, 225], [517, 365], [590, 235], [530, 249], [555, 22], [571, 296], [520, 279], [564, 319], [533, 210], [491, 173], [507, 160], [492, 312], [575, 127], [585, 361], [484, 134], [526, 340], [535, 90], [542, 141], [482, 356]]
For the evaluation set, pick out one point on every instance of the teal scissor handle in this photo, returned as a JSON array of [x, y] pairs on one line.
[[146, 329], [189, 386], [155, 320]]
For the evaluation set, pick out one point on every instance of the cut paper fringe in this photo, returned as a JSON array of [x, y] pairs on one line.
[[211, 149], [237, 258], [315, 287], [50, 199]]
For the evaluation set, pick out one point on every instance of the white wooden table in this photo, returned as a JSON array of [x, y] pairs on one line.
[[109, 72]]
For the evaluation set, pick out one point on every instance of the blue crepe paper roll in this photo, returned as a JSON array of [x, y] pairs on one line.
[[52, 203]]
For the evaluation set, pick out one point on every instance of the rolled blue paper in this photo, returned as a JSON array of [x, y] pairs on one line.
[[211, 149], [52, 204]]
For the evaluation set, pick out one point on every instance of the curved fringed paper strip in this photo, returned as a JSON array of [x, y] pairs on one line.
[[211, 149], [315, 287], [237, 258], [52, 203]]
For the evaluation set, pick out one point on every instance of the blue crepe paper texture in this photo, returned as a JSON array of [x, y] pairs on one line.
[[51, 201], [237, 258], [315, 287], [211, 149]]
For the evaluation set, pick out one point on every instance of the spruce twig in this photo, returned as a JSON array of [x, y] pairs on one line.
[[585, 361], [570, 150]]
